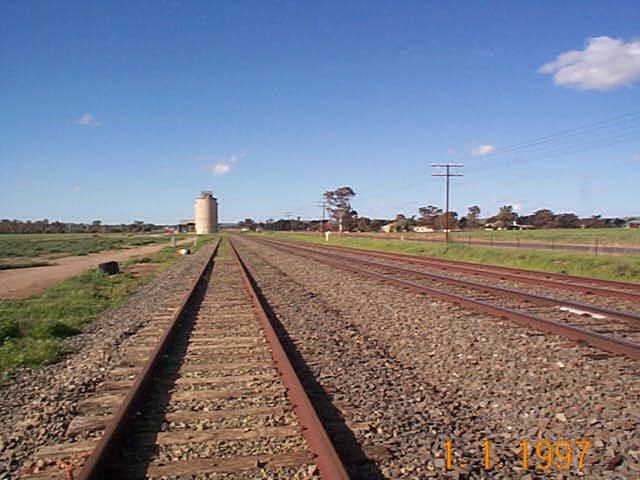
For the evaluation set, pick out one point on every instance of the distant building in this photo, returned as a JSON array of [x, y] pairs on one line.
[[633, 224], [513, 226], [422, 229], [187, 226], [206, 213], [517, 226]]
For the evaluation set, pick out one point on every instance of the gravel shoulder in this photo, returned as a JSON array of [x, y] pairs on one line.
[[410, 373]]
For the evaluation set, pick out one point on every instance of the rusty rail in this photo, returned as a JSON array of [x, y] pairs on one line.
[[326, 458], [597, 286], [508, 292], [96, 465], [580, 335]]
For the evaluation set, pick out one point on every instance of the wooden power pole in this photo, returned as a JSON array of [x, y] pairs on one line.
[[447, 173]]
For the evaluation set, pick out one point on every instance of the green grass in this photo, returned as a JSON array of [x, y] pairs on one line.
[[619, 267], [589, 236], [59, 245], [32, 330]]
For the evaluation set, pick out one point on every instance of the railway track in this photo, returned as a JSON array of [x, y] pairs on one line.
[[215, 396], [583, 285], [611, 330]]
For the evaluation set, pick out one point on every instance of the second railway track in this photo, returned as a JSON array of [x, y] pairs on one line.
[[583, 285], [611, 330]]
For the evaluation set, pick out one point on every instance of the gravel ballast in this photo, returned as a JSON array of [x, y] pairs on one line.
[[409, 373]]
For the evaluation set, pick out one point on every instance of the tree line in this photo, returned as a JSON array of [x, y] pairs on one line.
[[343, 217], [45, 226]]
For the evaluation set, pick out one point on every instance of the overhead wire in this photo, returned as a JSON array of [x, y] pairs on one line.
[[587, 129], [600, 134]]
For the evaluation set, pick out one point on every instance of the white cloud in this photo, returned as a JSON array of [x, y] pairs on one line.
[[482, 150], [223, 166], [88, 120], [605, 63]]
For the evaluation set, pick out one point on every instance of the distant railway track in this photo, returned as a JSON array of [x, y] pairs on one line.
[[611, 330], [586, 286], [216, 394]]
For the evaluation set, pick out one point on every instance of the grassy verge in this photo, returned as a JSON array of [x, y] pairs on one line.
[[32, 330], [623, 268]]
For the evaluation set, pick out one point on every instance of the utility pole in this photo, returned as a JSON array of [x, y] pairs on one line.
[[322, 204], [447, 174], [288, 215]]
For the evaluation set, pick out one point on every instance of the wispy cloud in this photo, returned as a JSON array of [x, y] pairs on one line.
[[222, 166], [88, 120], [604, 64], [636, 157], [482, 150], [76, 189]]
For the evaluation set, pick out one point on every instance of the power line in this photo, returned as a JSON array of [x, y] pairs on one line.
[[604, 133], [558, 151], [585, 129]]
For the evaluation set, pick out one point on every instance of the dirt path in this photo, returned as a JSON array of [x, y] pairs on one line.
[[23, 282]]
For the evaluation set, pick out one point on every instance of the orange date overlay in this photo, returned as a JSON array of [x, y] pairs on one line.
[[545, 455]]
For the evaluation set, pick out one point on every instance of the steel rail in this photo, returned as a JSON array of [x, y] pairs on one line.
[[513, 293], [96, 466], [325, 456], [580, 335], [565, 282]]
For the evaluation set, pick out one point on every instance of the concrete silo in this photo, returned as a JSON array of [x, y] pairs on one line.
[[206, 213]]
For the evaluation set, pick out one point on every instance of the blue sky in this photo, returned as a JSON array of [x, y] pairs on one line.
[[125, 110]]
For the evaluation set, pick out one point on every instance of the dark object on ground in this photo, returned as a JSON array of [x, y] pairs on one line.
[[110, 268]]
